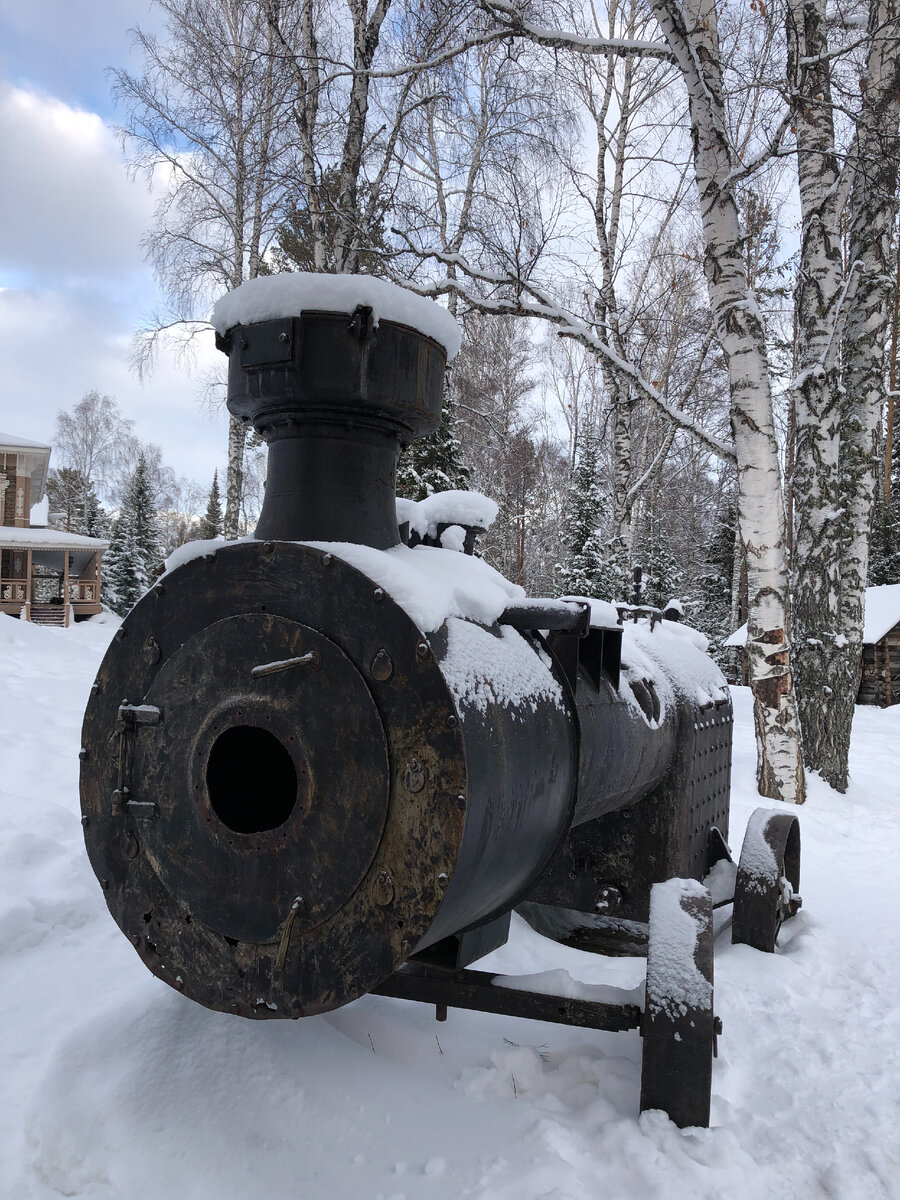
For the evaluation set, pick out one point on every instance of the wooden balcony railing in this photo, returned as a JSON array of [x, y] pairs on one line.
[[84, 593], [13, 590]]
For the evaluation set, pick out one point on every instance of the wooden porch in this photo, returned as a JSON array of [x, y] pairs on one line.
[[50, 586]]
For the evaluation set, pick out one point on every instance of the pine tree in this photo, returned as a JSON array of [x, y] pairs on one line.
[[74, 502], [594, 566], [135, 552], [662, 577], [211, 524], [434, 463], [884, 545], [708, 606]]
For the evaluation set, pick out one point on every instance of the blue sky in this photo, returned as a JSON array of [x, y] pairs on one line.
[[73, 283]]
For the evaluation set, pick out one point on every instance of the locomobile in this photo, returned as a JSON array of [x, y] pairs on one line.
[[334, 758]]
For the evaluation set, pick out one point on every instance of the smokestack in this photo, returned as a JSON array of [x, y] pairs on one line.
[[335, 396]]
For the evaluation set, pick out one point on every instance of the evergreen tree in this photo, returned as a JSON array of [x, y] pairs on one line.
[[708, 605], [884, 545], [74, 502], [662, 577], [211, 524], [434, 464], [594, 565], [135, 552]]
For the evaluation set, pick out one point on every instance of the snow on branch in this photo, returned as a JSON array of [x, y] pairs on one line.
[[530, 301], [514, 24]]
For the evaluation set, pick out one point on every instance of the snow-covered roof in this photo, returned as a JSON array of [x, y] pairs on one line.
[[48, 539], [882, 611], [292, 292], [36, 462], [8, 442], [882, 614]]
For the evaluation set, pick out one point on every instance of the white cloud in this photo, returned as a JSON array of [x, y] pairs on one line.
[[54, 347], [68, 210], [77, 287]]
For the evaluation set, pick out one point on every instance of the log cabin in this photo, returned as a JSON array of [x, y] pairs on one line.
[[880, 678]]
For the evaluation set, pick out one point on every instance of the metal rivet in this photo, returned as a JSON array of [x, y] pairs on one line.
[[85, 820], [382, 667], [282, 337], [121, 634], [383, 892], [451, 721], [179, 983], [422, 649], [413, 776], [461, 803], [82, 753], [405, 946], [327, 560], [104, 883], [150, 651], [135, 939], [443, 879], [378, 594]]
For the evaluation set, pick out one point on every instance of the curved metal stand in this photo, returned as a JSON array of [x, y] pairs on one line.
[[768, 876]]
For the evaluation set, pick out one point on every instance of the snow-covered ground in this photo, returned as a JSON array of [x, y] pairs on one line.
[[114, 1086]]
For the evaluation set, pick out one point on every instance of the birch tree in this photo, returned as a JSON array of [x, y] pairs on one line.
[[872, 211], [691, 41], [208, 119], [847, 195]]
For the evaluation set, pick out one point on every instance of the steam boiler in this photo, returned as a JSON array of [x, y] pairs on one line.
[[334, 758]]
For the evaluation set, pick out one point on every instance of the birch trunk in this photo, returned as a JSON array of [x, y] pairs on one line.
[[691, 32], [873, 208], [819, 657]]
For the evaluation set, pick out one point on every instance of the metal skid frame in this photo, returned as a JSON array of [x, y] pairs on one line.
[[678, 1028]]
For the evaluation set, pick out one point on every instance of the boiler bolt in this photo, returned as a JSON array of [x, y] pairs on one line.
[[413, 776], [378, 594], [382, 667], [451, 721], [443, 879], [384, 889], [327, 560], [422, 649]]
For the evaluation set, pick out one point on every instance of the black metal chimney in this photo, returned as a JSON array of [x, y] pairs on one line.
[[334, 397]]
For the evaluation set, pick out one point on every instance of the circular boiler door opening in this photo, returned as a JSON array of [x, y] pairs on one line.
[[252, 780]]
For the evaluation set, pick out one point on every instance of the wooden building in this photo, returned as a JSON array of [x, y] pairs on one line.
[[47, 575], [880, 679]]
